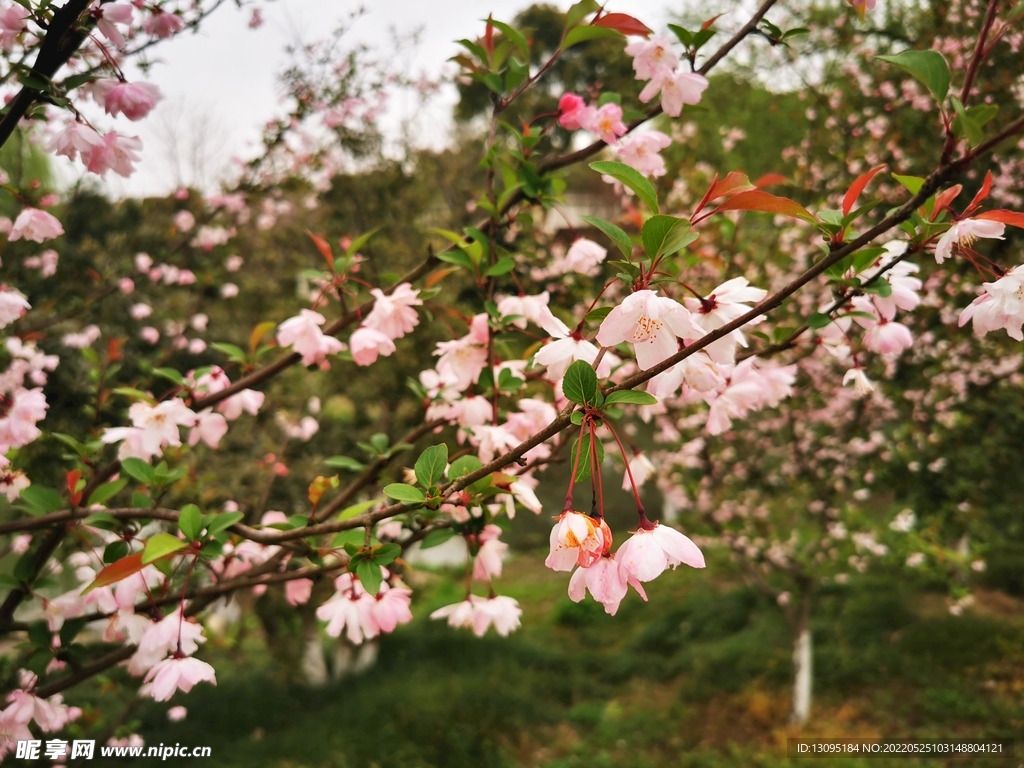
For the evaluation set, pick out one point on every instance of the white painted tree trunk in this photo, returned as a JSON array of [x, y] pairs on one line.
[[803, 678]]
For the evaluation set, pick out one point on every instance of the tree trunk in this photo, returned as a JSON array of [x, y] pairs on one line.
[[802, 663]]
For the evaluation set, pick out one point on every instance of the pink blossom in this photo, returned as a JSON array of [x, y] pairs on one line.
[[862, 385], [19, 412], [76, 137], [118, 154], [164, 637], [487, 564], [651, 56], [153, 427], [393, 315], [163, 25], [584, 256], [999, 307], [171, 675], [229, 291], [677, 89], [350, 609], [533, 309], [233, 263], [699, 372], [46, 262], [209, 427], [108, 16], [248, 400], [366, 344], [641, 469], [648, 552], [184, 221], [176, 714], [964, 233], [607, 581], [478, 614], [651, 324], [391, 607], [462, 360], [303, 334], [726, 303], [298, 591], [862, 7], [888, 338], [569, 108], [33, 224], [13, 305], [12, 24], [559, 355], [149, 334], [606, 122], [577, 539], [640, 152], [133, 100]]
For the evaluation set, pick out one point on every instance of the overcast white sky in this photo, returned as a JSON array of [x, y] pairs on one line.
[[223, 80]]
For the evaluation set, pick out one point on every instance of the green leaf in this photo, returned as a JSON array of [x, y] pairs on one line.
[[435, 538], [579, 35], [42, 500], [407, 494], [664, 235], [369, 576], [929, 67], [597, 315], [161, 545], [912, 184], [223, 521], [357, 509], [631, 178], [345, 462], [114, 551], [431, 464], [232, 351], [171, 375], [102, 520], [616, 234], [190, 521], [359, 242], [818, 320], [140, 470], [514, 35], [583, 469], [580, 383], [880, 288], [462, 466], [107, 491], [387, 554], [579, 11], [502, 266], [9, 582], [631, 396]]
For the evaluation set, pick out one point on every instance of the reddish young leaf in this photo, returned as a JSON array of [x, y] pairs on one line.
[[323, 246], [436, 277], [72, 478], [733, 182], [857, 187], [115, 572], [756, 200], [944, 199], [770, 180], [489, 36], [986, 187], [623, 23], [1012, 218], [114, 350], [707, 24]]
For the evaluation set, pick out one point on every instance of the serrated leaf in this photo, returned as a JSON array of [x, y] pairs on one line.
[[190, 521], [161, 545], [632, 397], [431, 464], [579, 35], [631, 178], [580, 383], [407, 494], [139, 469], [615, 233], [462, 466], [929, 67], [345, 462], [436, 538], [107, 491], [818, 320], [664, 235], [42, 500], [224, 521], [357, 509], [369, 576]]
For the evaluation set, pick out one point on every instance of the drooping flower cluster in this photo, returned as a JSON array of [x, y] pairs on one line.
[[393, 315], [363, 616]]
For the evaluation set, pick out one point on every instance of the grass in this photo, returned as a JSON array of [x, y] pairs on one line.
[[698, 677]]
